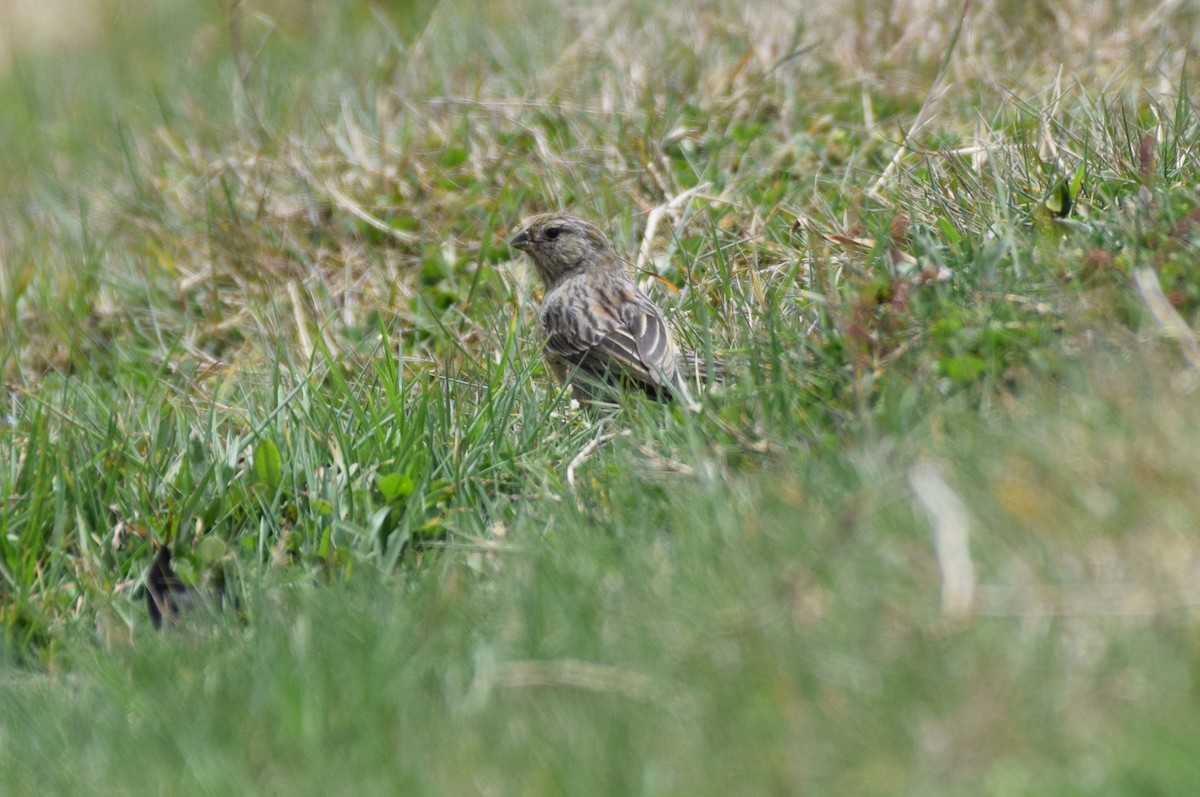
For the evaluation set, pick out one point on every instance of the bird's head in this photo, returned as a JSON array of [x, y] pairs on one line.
[[561, 245]]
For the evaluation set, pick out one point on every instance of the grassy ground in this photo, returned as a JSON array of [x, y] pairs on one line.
[[935, 535]]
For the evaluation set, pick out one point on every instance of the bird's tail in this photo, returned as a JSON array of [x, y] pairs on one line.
[[698, 369]]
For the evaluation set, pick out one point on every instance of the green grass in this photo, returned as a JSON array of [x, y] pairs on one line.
[[255, 302]]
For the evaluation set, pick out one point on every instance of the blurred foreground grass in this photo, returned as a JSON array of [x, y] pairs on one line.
[[255, 301]]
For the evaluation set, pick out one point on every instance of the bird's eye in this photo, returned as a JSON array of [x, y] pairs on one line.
[[553, 233]]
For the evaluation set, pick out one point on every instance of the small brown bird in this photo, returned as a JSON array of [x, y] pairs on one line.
[[600, 330]]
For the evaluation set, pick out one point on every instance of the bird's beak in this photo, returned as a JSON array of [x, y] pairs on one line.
[[521, 241]]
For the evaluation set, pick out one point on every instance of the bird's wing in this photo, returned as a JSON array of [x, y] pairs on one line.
[[629, 342], [645, 328]]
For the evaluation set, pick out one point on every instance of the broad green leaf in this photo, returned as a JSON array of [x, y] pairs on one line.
[[395, 486], [268, 464]]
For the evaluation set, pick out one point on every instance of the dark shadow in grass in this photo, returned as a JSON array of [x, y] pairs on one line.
[[168, 598]]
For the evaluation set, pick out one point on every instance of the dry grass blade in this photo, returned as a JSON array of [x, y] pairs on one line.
[[951, 532], [1167, 317], [655, 216], [589, 449], [921, 119], [356, 210]]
